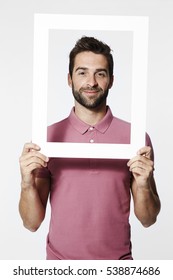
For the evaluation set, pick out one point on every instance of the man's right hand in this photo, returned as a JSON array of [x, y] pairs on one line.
[[30, 160]]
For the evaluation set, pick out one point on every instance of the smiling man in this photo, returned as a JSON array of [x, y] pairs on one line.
[[90, 198]]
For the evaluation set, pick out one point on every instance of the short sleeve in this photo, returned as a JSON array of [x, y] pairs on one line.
[[149, 143], [42, 173]]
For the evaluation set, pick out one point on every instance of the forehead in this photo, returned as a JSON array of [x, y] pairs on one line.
[[90, 60]]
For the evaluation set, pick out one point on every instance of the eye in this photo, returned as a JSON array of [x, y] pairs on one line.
[[101, 74], [81, 73]]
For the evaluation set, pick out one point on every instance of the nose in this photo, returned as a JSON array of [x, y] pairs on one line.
[[92, 81]]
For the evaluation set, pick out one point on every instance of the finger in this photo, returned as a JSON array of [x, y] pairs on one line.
[[137, 170], [33, 157], [141, 168], [31, 147], [137, 164], [140, 158], [28, 146], [143, 173], [145, 151], [33, 160], [28, 166], [37, 154], [32, 166]]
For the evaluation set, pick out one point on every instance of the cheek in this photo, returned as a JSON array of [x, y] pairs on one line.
[[104, 85], [79, 84]]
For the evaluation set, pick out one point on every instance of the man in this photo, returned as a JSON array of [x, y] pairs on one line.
[[90, 198]]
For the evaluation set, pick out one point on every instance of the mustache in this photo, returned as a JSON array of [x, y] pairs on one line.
[[91, 88]]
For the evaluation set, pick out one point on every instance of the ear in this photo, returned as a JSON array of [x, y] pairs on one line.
[[69, 80], [111, 81]]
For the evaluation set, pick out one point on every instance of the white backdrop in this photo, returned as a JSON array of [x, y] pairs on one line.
[[60, 99], [16, 70]]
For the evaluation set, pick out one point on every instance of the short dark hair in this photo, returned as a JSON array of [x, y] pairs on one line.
[[93, 45]]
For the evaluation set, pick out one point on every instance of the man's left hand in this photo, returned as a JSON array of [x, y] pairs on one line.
[[142, 167]]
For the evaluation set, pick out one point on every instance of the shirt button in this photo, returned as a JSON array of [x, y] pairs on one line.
[[91, 128], [91, 140]]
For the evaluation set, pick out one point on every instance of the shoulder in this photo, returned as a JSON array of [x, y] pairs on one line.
[[61, 123], [115, 121], [55, 130], [121, 124]]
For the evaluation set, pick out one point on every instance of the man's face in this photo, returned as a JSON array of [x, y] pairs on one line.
[[90, 80]]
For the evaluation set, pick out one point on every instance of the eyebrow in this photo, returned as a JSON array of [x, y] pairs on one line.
[[97, 70], [81, 68]]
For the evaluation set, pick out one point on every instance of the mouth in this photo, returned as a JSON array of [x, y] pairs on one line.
[[90, 91]]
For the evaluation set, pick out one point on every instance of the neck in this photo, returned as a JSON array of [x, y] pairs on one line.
[[90, 116]]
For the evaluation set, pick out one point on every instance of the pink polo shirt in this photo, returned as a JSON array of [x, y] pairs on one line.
[[90, 198]]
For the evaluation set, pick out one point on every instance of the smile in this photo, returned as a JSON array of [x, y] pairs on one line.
[[88, 91]]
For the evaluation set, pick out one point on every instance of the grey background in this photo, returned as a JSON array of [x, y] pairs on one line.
[[16, 81]]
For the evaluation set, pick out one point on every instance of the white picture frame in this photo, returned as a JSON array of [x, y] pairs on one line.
[[43, 23]]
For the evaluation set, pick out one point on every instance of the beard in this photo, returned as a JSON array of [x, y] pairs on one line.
[[93, 101]]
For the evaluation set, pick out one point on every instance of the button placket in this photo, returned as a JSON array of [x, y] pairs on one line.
[[92, 134], [93, 139]]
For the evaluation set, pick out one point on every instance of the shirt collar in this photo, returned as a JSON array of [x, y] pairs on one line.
[[83, 127]]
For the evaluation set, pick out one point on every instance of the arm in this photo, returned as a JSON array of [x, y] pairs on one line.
[[34, 191], [143, 187]]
